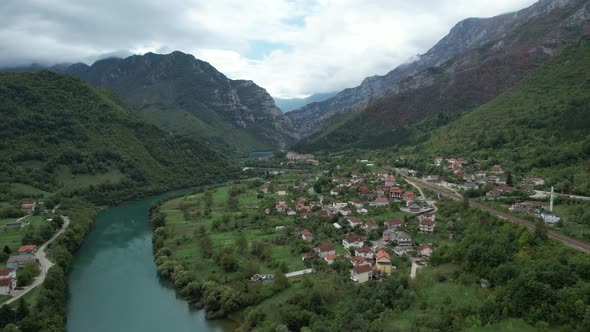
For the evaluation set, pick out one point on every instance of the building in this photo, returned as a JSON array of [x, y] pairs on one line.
[[15, 262], [381, 201], [16, 224], [7, 285], [353, 241], [364, 252], [27, 249], [28, 206], [403, 239], [282, 192], [306, 235], [370, 225], [389, 182], [361, 273], [383, 262], [325, 249], [427, 225], [335, 191], [394, 223], [330, 259], [354, 222], [263, 189], [425, 250]]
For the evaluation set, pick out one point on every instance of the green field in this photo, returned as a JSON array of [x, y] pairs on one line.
[[12, 237]]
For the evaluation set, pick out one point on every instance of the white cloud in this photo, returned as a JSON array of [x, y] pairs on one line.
[[328, 44]]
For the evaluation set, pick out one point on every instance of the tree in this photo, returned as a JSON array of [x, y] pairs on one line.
[[206, 246], [510, 180], [22, 309], [7, 316], [7, 250], [541, 230], [281, 282], [242, 243]]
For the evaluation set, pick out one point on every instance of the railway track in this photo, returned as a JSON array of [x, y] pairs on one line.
[[566, 240]]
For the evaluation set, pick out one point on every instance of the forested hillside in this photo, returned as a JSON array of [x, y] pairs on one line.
[[59, 134], [542, 125]]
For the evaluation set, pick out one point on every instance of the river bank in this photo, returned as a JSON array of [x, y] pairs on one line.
[[114, 285]]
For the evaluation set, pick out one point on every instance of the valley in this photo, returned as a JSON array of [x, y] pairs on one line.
[[147, 192]]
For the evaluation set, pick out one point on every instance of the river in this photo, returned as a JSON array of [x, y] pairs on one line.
[[114, 286]]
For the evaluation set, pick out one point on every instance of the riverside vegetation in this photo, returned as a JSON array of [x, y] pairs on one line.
[[209, 244]]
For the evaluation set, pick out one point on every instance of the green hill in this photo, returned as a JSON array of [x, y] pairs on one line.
[[59, 134], [541, 125]]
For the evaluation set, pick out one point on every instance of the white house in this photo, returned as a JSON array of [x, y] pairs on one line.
[[361, 273], [353, 241], [364, 252]]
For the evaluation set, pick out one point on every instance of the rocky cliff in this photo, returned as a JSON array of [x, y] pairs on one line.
[[467, 34], [185, 95]]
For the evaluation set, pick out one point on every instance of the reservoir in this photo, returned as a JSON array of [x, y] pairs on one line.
[[114, 285]]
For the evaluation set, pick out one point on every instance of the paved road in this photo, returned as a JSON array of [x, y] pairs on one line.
[[567, 240], [44, 263]]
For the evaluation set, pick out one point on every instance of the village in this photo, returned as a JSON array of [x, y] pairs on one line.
[[23, 266]]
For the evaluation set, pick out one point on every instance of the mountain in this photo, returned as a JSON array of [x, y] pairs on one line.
[[60, 134], [467, 34], [287, 105], [541, 125], [462, 83], [188, 96]]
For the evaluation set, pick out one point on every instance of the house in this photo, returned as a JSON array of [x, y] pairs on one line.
[[282, 192], [357, 204], [335, 191], [28, 206], [427, 215], [339, 205], [497, 169], [330, 259], [427, 226], [389, 182], [370, 225], [381, 201], [7, 285], [409, 196], [468, 185], [364, 252], [306, 235], [15, 262], [291, 212], [383, 262], [480, 174], [493, 193], [312, 162], [336, 225], [396, 193], [358, 261], [394, 223], [403, 239], [361, 273], [353, 241], [382, 174], [389, 235], [425, 249], [345, 211], [438, 161], [264, 189], [414, 208], [281, 207], [400, 251], [7, 281], [28, 249], [307, 255], [353, 221], [325, 249]]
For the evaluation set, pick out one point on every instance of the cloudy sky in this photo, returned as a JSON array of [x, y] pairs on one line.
[[291, 48]]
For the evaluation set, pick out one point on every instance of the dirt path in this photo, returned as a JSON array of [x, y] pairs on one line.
[[414, 269], [45, 264]]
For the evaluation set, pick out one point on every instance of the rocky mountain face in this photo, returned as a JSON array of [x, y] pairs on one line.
[[465, 81], [466, 35], [185, 95]]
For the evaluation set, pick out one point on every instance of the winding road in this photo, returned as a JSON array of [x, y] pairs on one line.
[[567, 240], [44, 262]]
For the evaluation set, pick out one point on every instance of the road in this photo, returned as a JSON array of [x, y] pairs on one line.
[[567, 240], [45, 264], [414, 269]]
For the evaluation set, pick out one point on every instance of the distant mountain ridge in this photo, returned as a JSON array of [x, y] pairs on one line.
[[287, 105], [185, 95], [467, 34], [462, 83]]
